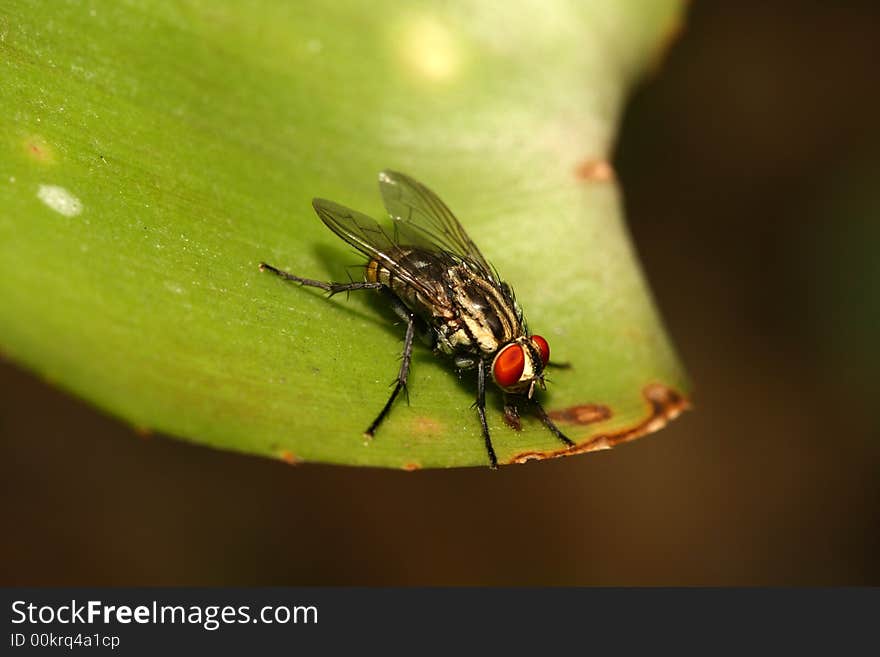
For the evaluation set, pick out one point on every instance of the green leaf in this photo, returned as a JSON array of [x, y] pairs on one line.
[[153, 153]]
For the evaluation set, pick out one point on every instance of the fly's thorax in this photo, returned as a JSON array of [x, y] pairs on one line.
[[486, 318]]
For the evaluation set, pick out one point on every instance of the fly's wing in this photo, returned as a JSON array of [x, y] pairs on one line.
[[368, 237], [423, 217]]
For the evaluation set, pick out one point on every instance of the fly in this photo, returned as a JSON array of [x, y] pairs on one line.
[[442, 287]]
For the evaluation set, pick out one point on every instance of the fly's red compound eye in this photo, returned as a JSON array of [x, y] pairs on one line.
[[508, 365], [543, 348]]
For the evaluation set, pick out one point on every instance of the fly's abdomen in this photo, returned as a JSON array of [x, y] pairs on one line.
[[378, 272], [429, 300], [372, 273]]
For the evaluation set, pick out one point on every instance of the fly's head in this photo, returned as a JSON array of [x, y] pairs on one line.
[[519, 365]]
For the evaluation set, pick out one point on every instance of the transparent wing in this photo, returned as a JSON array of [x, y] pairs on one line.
[[368, 237], [421, 215]]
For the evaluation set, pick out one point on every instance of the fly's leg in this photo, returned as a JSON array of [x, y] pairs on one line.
[[481, 409], [511, 414], [399, 308], [400, 384], [332, 288], [559, 366], [550, 425]]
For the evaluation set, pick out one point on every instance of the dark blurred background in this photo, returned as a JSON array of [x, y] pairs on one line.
[[749, 162]]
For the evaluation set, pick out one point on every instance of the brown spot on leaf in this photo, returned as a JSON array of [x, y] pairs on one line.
[[411, 467], [290, 458], [426, 425], [595, 170], [583, 414], [664, 404], [39, 149]]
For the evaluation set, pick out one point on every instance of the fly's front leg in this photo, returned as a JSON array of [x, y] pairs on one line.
[[550, 424], [400, 384], [332, 288], [481, 409]]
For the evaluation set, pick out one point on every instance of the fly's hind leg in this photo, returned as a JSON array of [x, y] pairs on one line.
[[400, 383], [399, 308], [332, 288]]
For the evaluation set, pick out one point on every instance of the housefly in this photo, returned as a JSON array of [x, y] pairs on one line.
[[442, 287]]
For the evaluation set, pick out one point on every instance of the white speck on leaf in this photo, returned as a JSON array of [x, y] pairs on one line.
[[60, 200], [174, 287]]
